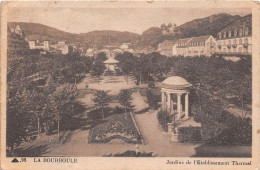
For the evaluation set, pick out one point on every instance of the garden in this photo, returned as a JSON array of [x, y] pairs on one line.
[[117, 126]]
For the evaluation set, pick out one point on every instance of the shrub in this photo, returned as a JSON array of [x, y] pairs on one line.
[[152, 99], [189, 134], [151, 85], [163, 119]]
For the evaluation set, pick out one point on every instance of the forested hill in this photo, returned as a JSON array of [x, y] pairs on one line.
[[206, 26], [203, 26], [42, 32], [108, 37]]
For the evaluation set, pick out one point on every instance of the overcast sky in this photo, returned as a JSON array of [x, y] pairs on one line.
[[79, 20]]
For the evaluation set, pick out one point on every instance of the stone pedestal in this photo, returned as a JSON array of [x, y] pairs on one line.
[[170, 126], [174, 138]]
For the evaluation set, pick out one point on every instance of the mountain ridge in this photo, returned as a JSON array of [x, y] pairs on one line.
[[151, 37]]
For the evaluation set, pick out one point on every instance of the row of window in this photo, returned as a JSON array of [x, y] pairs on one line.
[[234, 33], [240, 50], [194, 44], [233, 42]]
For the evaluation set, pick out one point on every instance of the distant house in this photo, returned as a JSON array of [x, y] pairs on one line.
[[236, 39], [91, 52], [180, 48], [127, 47], [202, 46], [36, 44], [195, 46], [165, 47], [63, 47]]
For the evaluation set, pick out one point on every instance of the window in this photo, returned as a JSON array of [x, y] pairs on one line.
[[245, 41], [235, 33], [224, 36], [241, 32], [229, 34], [246, 31], [234, 41], [240, 41], [219, 35], [240, 49]]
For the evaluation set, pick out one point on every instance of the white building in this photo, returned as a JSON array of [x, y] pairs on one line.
[[166, 47], [126, 47], [195, 46], [236, 39], [63, 47], [180, 47], [39, 45]]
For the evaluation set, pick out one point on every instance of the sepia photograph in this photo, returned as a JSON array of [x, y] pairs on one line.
[[129, 82]]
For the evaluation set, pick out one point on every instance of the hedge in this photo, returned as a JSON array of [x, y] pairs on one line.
[[189, 134]]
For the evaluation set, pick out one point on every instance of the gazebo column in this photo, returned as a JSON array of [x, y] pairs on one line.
[[179, 104], [187, 105], [169, 102], [163, 100]]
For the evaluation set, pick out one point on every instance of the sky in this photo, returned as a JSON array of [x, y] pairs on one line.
[[137, 20]]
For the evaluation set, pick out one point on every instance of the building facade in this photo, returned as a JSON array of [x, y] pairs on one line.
[[165, 47], [195, 46], [236, 39], [39, 45], [180, 48]]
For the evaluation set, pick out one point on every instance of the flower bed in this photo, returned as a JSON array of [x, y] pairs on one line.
[[117, 127]]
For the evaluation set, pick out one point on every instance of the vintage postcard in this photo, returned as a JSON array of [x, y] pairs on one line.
[[130, 85]]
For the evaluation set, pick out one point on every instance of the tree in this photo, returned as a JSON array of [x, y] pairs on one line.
[[126, 63], [102, 99], [151, 99], [101, 56], [18, 121], [124, 98], [60, 102], [35, 104], [97, 69]]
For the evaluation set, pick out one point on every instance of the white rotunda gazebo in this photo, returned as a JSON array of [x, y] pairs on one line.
[[175, 96]]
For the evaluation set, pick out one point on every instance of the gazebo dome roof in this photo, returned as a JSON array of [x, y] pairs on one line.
[[111, 61], [175, 82]]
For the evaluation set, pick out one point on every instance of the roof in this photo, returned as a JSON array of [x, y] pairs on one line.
[[184, 40], [246, 21], [168, 42], [199, 39], [125, 46], [175, 82], [111, 61]]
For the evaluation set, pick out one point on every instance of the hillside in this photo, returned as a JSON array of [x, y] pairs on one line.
[[150, 38], [41, 32], [108, 37], [204, 26]]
